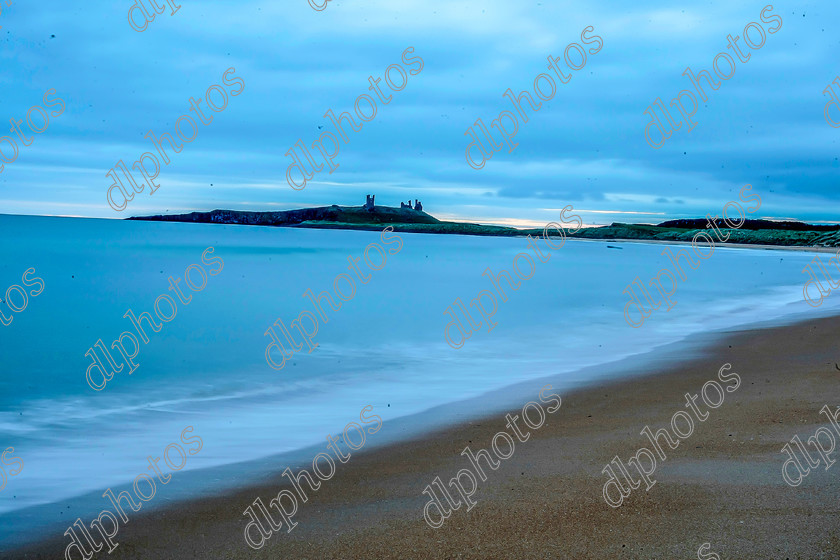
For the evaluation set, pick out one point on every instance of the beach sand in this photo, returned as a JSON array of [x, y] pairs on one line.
[[721, 486]]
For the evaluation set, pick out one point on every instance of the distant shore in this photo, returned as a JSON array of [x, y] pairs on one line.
[[753, 233]]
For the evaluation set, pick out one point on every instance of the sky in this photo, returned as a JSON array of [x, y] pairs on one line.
[[585, 147]]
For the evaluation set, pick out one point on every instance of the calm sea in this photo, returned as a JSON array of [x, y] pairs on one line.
[[384, 348]]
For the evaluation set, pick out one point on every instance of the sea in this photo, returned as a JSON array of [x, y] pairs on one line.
[[384, 348]]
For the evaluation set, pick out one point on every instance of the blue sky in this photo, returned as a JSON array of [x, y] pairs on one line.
[[585, 147]]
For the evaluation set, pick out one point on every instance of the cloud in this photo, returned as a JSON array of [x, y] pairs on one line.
[[764, 126]]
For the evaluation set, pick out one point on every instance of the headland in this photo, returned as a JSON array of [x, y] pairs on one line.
[[410, 219]]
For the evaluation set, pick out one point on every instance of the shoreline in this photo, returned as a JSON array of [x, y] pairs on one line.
[[800, 248], [519, 233], [797, 358], [408, 220]]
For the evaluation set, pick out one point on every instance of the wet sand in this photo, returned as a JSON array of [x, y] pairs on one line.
[[722, 485]]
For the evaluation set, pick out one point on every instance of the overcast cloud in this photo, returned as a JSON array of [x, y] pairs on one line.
[[585, 147]]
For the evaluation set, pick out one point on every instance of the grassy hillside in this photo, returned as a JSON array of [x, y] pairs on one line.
[[758, 232]]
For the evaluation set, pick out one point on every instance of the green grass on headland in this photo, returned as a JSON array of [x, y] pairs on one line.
[[752, 232]]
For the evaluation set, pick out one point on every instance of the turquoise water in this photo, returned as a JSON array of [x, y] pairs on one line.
[[206, 368]]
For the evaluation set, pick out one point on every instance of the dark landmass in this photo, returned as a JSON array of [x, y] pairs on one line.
[[752, 232], [750, 224]]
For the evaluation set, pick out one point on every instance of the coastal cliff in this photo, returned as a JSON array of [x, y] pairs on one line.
[[330, 214], [752, 232]]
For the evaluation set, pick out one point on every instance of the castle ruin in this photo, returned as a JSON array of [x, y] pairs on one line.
[[417, 205], [369, 206]]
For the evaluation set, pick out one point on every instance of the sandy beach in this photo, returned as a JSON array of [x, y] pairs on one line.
[[295, 279], [721, 486]]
